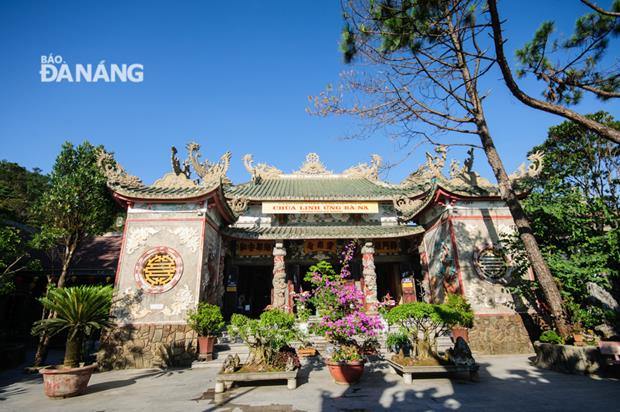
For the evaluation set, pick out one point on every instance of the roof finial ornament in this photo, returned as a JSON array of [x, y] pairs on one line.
[[370, 172], [532, 170], [260, 171], [176, 164], [208, 172], [432, 169], [312, 166], [114, 172]]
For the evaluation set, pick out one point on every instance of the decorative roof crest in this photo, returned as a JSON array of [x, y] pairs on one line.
[[114, 172], [370, 172], [312, 166], [261, 170], [431, 169], [466, 175]]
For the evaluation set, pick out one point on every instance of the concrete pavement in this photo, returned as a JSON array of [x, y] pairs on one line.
[[507, 383]]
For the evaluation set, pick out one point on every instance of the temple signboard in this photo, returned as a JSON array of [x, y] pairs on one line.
[[320, 207]]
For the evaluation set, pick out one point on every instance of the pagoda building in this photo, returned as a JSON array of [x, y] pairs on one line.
[[245, 247]]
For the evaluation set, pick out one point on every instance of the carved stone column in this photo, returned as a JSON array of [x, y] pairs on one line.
[[279, 277], [370, 276]]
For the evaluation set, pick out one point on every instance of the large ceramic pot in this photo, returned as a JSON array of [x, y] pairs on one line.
[[205, 347], [60, 382], [346, 373], [458, 331]]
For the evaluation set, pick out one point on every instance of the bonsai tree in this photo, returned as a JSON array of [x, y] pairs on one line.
[[268, 337], [80, 311], [206, 319], [423, 322]]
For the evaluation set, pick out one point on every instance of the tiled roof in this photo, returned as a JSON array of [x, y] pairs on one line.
[[320, 188], [322, 232]]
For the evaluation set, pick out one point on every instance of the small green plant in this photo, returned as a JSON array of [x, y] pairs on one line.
[[397, 340], [551, 336], [206, 319], [80, 311]]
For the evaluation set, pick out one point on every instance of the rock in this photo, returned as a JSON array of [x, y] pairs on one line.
[[461, 354], [231, 363], [601, 297], [606, 331]]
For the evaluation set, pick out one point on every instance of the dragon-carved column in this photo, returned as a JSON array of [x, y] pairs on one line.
[[279, 277], [370, 276]]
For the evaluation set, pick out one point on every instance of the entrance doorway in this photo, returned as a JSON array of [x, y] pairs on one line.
[[254, 286], [388, 281]]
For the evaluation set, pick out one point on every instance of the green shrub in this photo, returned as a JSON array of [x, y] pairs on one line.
[[206, 319], [463, 308], [551, 336]]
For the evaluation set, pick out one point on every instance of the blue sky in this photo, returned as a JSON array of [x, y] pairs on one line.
[[229, 75]]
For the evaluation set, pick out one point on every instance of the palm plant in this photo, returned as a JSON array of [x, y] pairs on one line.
[[80, 311]]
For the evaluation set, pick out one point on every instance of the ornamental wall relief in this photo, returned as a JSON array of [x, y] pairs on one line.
[[137, 238], [181, 302], [189, 237]]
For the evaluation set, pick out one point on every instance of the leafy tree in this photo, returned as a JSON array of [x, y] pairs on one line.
[[574, 207], [76, 205], [13, 254], [19, 190], [424, 59], [568, 68], [80, 311]]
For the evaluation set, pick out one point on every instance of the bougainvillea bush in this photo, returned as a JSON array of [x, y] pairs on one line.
[[340, 307]]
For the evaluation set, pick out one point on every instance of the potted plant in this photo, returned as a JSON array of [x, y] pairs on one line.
[[79, 311], [206, 320], [398, 342], [342, 318], [271, 357], [465, 320]]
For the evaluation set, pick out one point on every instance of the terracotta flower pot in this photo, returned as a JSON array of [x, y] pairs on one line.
[[460, 332], [346, 373], [205, 347], [60, 382]]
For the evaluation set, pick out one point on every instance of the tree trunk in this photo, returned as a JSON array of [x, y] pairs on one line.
[[543, 274], [41, 354], [73, 351], [44, 341], [535, 257]]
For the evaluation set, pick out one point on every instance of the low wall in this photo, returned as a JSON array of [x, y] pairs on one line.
[[147, 346], [568, 359], [499, 334]]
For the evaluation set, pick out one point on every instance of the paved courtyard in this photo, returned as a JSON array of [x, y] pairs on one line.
[[507, 383]]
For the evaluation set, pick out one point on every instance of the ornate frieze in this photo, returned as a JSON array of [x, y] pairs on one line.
[[158, 270], [182, 301], [238, 204]]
